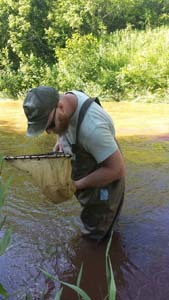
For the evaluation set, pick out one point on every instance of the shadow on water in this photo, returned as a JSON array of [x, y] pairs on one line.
[[47, 236]]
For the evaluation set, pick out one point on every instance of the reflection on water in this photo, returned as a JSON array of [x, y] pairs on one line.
[[47, 236]]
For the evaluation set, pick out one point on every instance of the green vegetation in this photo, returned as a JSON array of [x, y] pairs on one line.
[[116, 49], [5, 240], [143, 151], [80, 292]]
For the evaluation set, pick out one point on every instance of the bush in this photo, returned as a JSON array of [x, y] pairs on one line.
[[149, 67], [125, 65], [78, 63]]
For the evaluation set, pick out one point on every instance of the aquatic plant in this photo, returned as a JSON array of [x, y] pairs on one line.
[[109, 273], [5, 240], [80, 292]]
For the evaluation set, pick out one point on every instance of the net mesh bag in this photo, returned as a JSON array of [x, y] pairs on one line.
[[51, 171]]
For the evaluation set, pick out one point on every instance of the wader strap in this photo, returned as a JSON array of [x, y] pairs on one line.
[[82, 112]]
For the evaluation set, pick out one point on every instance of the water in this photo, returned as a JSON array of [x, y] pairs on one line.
[[47, 236]]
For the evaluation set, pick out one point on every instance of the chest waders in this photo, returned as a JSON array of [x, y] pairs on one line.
[[101, 206]]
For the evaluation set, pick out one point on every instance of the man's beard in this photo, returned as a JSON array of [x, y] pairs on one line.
[[62, 125]]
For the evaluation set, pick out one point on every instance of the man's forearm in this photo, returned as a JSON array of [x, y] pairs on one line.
[[99, 178]]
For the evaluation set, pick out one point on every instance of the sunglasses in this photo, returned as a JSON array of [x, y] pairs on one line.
[[52, 123]]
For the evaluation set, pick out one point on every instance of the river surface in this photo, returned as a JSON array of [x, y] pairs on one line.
[[47, 236]]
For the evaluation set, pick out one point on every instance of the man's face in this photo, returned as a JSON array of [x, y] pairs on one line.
[[58, 122]]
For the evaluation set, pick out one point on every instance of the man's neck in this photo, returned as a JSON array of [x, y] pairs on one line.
[[70, 104]]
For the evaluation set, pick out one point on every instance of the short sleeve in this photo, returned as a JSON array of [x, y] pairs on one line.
[[100, 142]]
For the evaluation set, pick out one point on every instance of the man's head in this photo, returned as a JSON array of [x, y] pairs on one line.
[[38, 105]]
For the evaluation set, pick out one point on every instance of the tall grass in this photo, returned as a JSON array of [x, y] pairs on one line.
[[79, 291], [109, 274], [135, 65], [125, 65]]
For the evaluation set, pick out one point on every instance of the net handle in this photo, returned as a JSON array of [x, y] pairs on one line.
[[39, 156]]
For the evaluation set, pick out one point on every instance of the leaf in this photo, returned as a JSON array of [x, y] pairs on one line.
[[3, 292], [3, 191], [3, 222], [79, 277], [1, 162], [112, 286], [47, 274], [109, 273], [4, 242], [108, 245], [58, 295], [78, 290]]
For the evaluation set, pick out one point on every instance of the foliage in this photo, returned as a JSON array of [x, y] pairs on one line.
[[123, 65], [78, 62], [98, 46], [148, 68], [80, 292], [109, 274], [5, 240]]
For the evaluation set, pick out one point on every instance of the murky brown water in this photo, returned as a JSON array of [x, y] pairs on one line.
[[47, 236]]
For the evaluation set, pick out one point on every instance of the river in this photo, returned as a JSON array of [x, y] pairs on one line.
[[47, 236]]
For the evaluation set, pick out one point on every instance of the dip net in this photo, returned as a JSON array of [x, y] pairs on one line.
[[51, 171]]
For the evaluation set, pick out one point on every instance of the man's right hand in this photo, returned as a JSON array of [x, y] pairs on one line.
[[58, 147]]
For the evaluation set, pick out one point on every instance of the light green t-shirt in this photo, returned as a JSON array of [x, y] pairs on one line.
[[96, 133]]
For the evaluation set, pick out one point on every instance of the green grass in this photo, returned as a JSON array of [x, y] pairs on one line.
[[111, 286]]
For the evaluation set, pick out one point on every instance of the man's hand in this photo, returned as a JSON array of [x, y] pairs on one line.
[[58, 147], [111, 169]]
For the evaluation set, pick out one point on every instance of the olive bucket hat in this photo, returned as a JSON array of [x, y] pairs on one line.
[[37, 106]]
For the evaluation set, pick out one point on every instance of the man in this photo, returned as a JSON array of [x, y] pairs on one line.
[[86, 129]]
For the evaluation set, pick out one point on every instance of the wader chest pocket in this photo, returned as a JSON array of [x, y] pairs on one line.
[[104, 194]]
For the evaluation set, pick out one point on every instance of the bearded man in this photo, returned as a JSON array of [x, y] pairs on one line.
[[86, 131]]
